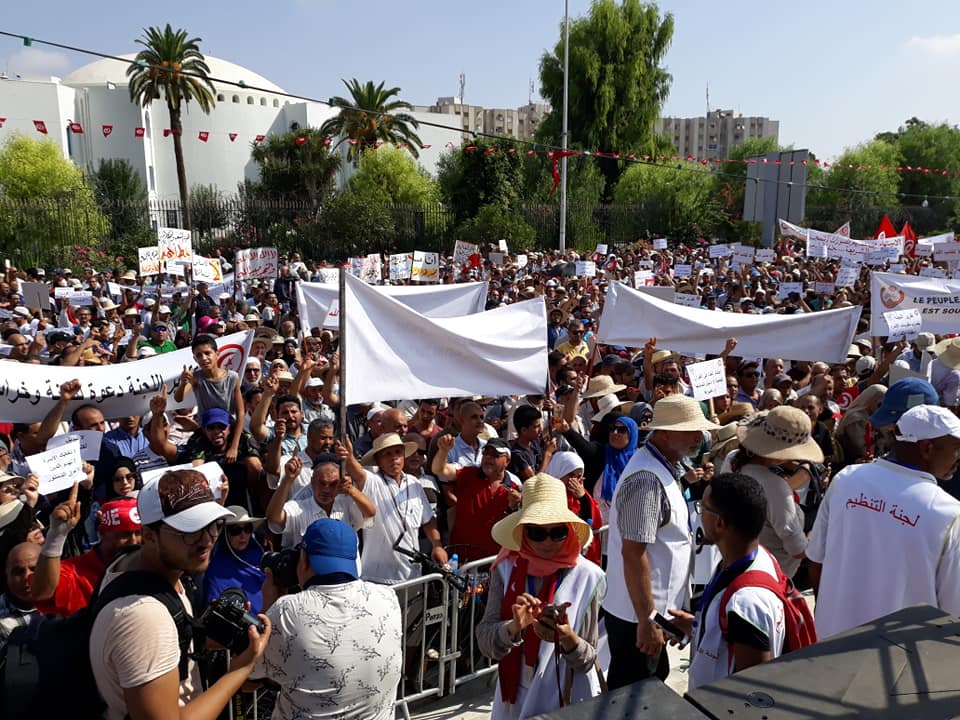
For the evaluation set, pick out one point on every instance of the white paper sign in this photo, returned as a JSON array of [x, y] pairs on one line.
[[933, 272], [896, 267], [463, 250], [175, 245], [824, 288], [257, 263], [521, 260], [79, 299], [720, 250], [331, 276], [114, 288], [149, 258], [682, 270], [502, 245], [923, 249], [789, 287], [89, 440], [659, 243], [847, 276], [58, 468], [173, 268], [35, 295], [206, 269], [903, 324], [766, 255], [643, 278], [496, 258], [602, 249], [400, 266], [688, 299], [371, 269], [708, 379], [946, 252], [586, 268], [426, 267]]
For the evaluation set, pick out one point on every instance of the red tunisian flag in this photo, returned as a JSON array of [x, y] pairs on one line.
[[555, 156], [139, 132], [232, 136], [300, 140], [107, 129], [909, 240], [76, 128], [41, 126], [203, 135], [259, 138], [2, 121], [843, 229], [886, 229], [845, 398]]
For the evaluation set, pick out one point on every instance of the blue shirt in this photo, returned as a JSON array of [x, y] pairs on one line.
[[125, 445]]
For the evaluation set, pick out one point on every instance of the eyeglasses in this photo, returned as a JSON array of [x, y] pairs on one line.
[[539, 534], [255, 371], [9, 489], [212, 530], [619, 430], [235, 530], [701, 508], [123, 478]]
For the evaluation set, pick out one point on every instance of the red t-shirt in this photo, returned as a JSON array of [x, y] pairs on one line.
[[480, 504], [78, 577]]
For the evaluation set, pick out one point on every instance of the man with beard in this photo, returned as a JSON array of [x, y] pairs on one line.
[[649, 548]]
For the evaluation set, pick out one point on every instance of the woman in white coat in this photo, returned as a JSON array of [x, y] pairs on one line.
[[541, 568]]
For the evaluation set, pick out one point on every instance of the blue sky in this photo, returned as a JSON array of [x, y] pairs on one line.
[[834, 73]]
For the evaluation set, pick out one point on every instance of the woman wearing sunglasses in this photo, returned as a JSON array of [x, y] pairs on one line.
[[236, 559], [543, 606]]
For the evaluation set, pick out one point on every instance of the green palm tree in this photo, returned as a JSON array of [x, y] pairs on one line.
[[297, 165], [369, 116], [172, 67]]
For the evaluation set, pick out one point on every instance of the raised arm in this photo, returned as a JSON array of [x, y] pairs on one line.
[[440, 467]]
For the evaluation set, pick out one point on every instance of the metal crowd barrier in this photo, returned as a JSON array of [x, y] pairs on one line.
[[439, 632]]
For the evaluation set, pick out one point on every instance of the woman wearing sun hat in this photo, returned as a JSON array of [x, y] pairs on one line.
[[773, 450], [540, 564]]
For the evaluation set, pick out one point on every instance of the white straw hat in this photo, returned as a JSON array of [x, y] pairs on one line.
[[679, 413], [601, 385], [608, 403], [544, 502], [382, 442], [948, 352], [781, 434], [241, 516]]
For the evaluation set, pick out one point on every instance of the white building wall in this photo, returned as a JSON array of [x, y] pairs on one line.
[[23, 101]]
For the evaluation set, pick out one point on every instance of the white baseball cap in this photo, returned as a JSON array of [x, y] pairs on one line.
[[926, 422], [182, 499]]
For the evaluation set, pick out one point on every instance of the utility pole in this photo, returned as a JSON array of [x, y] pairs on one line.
[[563, 132], [463, 107]]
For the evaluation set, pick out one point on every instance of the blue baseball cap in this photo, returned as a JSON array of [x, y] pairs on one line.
[[331, 547], [903, 395], [215, 416]]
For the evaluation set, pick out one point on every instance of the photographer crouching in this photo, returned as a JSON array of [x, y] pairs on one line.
[[141, 646], [335, 649]]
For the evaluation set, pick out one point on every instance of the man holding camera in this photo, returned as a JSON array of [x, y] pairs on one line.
[[140, 653], [335, 647]]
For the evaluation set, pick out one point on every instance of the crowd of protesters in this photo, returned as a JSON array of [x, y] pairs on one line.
[[784, 473]]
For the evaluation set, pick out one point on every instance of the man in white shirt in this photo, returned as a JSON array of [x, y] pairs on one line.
[[402, 510], [468, 447], [913, 527], [327, 495]]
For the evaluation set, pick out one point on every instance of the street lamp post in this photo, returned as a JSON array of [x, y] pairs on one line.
[[563, 131]]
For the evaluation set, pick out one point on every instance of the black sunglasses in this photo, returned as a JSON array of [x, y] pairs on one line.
[[235, 530], [620, 430], [539, 534]]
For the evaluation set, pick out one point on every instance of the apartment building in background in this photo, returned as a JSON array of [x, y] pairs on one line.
[[520, 123], [713, 137]]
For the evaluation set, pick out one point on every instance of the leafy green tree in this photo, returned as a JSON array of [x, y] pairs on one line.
[[172, 68], [390, 176], [932, 147], [296, 166], [351, 225], [370, 116], [617, 85], [488, 174], [122, 196], [46, 205], [678, 203], [495, 222], [859, 189], [208, 208], [584, 194]]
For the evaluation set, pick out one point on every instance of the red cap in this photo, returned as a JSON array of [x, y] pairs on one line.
[[119, 516]]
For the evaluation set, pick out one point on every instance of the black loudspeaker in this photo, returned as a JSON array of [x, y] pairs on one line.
[[646, 700], [904, 665]]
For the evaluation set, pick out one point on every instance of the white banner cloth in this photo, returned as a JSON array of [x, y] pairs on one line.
[[938, 301], [28, 392], [314, 300], [631, 318], [395, 353]]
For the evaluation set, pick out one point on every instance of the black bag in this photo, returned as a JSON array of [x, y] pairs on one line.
[[815, 493], [63, 647]]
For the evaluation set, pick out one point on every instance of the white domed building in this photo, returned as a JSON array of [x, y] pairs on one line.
[[94, 101]]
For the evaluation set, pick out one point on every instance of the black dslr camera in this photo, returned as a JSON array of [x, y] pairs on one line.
[[283, 566], [226, 620]]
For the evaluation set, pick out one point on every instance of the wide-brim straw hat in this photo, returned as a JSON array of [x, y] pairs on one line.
[[543, 502], [725, 435], [736, 411], [781, 434], [608, 403], [948, 352], [601, 385], [663, 355], [679, 413], [241, 517], [387, 440]]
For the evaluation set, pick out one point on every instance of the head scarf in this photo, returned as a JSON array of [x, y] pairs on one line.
[[123, 462], [616, 460], [564, 463]]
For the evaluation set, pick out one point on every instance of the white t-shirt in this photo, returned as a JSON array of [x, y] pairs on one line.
[[888, 537], [335, 651], [134, 641], [401, 510], [710, 657], [302, 510]]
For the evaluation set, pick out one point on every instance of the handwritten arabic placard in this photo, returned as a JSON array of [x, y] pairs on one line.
[[903, 323], [175, 245], [149, 260], [59, 468], [400, 266], [688, 299], [708, 379], [847, 276], [426, 267], [790, 287], [89, 440], [659, 243], [257, 263], [682, 270], [586, 268], [766, 255], [720, 250]]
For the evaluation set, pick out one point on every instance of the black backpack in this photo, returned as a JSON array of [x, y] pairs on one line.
[[62, 646]]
